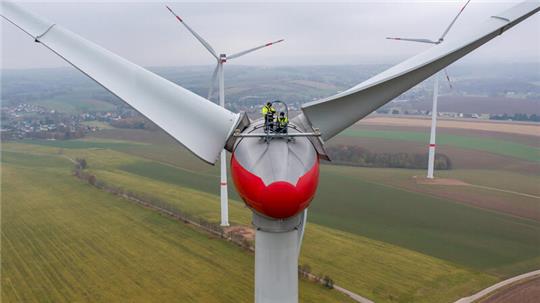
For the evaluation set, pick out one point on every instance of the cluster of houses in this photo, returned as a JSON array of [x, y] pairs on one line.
[[105, 116], [24, 108], [33, 121], [415, 112]]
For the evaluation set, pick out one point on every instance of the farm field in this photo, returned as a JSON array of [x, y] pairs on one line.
[[180, 167], [371, 216], [526, 291], [342, 255], [183, 171], [377, 270], [477, 104], [515, 128], [435, 226], [461, 158], [158, 146], [379, 222], [98, 124], [387, 234], [499, 181], [473, 166], [65, 241], [501, 147], [518, 195], [73, 103]]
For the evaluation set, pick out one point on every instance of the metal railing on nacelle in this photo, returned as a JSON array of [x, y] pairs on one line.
[[274, 135], [268, 135]]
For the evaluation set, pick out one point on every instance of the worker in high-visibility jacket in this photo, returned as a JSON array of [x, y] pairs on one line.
[[268, 111], [282, 123]]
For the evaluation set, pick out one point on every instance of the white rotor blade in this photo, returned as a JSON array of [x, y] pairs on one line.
[[213, 82], [448, 79], [253, 49], [334, 114], [203, 42], [413, 40], [198, 124], [453, 21]]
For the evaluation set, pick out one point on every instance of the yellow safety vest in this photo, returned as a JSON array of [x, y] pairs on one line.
[[267, 109], [283, 121]]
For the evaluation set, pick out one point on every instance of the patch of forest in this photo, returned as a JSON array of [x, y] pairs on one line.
[[358, 156]]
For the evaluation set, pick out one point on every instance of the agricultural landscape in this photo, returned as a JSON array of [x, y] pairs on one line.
[[384, 233]]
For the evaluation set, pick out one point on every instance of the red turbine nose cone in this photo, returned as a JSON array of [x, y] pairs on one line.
[[279, 199]]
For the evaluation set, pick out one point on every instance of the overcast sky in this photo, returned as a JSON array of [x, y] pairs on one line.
[[314, 32]]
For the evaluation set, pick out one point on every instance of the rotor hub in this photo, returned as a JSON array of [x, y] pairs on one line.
[[277, 179]]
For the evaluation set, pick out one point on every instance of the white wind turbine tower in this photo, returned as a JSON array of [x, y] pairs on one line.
[[432, 144], [219, 76]]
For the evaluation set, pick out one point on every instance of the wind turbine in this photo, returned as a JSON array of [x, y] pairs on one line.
[[433, 133], [219, 75], [277, 178]]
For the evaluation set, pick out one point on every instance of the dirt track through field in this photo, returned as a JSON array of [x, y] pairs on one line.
[[526, 292], [455, 182], [505, 191], [484, 293], [529, 129], [444, 187]]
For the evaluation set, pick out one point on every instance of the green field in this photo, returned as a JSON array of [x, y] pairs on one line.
[[100, 125], [170, 174], [465, 235], [389, 271], [526, 183], [353, 200], [505, 148], [74, 103], [377, 270], [80, 143], [65, 241]]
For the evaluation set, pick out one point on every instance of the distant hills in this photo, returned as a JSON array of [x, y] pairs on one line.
[[490, 105], [248, 86]]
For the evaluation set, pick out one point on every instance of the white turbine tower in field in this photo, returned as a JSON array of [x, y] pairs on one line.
[[219, 76], [432, 144], [275, 173]]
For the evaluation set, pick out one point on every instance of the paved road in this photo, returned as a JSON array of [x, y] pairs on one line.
[[492, 288]]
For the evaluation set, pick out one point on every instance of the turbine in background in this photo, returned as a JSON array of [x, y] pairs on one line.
[[219, 76], [433, 134]]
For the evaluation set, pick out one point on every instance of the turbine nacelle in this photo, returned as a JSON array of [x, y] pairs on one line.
[[222, 58], [276, 179]]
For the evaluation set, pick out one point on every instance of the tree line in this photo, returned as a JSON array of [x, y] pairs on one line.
[[358, 156], [160, 205], [304, 271], [516, 117], [81, 171]]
